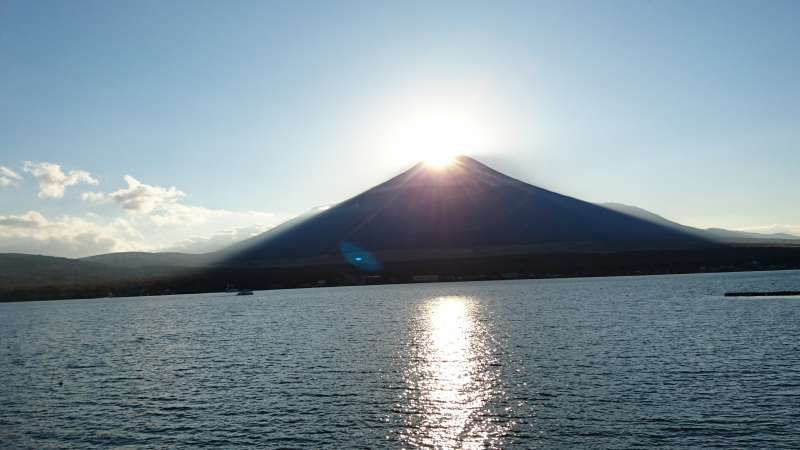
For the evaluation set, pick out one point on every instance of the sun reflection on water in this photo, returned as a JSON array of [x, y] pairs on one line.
[[452, 379]]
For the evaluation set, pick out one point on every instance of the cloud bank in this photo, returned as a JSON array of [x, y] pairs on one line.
[[69, 236], [218, 241], [149, 218]]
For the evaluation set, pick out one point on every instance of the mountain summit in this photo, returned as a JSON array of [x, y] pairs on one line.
[[466, 206]]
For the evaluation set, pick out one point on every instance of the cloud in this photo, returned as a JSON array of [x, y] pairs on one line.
[[138, 197], [31, 219], [94, 197], [53, 181], [68, 236], [90, 234], [217, 241], [180, 214], [8, 177], [772, 229], [155, 219], [162, 206]]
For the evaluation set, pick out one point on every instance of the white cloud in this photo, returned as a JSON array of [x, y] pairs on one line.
[[31, 219], [156, 219], [138, 197], [217, 241], [164, 229], [162, 206], [94, 197], [91, 234], [180, 214], [8, 177], [53, 181], [69, 236], [774, 228]]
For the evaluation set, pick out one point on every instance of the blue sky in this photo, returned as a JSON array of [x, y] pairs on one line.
[[255, 111]]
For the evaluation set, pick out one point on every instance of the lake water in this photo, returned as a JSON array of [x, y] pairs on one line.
[[658, 361]]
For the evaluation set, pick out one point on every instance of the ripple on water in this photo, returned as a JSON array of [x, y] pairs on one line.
[[617, 362]]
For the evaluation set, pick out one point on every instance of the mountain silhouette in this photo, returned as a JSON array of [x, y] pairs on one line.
[[466, 205], [464, 222]]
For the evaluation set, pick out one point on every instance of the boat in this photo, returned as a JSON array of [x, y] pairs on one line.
[[244, 292]]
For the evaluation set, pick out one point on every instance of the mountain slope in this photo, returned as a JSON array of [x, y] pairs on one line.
[[129, 260], [138, 260], [715, 234], [22, 269], [466, 206]]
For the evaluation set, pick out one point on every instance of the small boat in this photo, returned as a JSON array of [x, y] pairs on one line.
[[244, 292]]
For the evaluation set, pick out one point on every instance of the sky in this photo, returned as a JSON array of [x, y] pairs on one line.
[[150, 125]]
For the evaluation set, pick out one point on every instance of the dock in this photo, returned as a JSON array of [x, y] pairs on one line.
[[763, 294]]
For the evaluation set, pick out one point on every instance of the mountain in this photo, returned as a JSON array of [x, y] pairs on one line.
[[713, 234], [466, 207], [172, 260], [747, 236], [33, 277], [128, 260], [18, 268], [465, 222]]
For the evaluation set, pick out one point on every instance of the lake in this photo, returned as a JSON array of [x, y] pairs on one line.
[[656, 361]]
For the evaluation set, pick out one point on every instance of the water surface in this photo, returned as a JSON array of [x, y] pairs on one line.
[[659, 361]]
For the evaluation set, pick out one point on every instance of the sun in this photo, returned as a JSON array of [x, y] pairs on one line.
[[436, 136], [441, 161]]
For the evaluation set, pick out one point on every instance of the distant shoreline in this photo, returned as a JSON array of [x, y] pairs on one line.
[[368, 281]]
